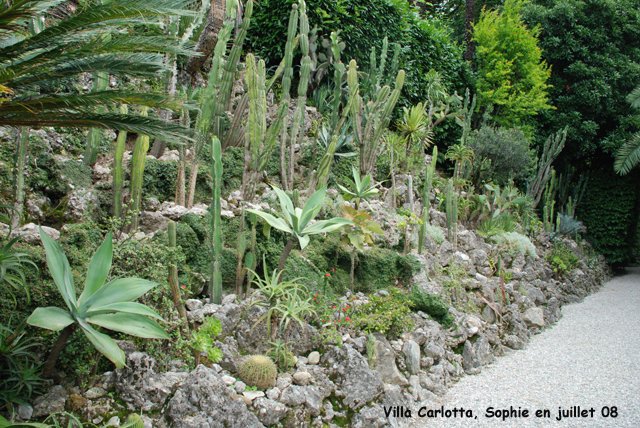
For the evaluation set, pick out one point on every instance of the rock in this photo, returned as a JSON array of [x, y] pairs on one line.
[[472, 325], [240, 387], [489, 314], [170, 155], [25, 411], [411, 351], [227, 214], [96, 410], [369, 417], [270, 412], [302, 378], [95, 392], [34, 207], [151, 204], [310, 396], [205, 401], [537, 296], [385, 362], [81, 203], [357, 382], [273, 393], [252, 395], [469, 357], [52, 402], [113, 422], [75, 402], [478, 257], [514, 342], [151, 221], [229, 316], [483, 350], [228, 380], [193, 304], [31, 233], [481, 279], [314, 358], [172, 211], [139, 385], [284, 381], [433, 351], [534, 317]]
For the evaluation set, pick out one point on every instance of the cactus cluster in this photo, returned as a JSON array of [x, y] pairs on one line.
[[259, 371]]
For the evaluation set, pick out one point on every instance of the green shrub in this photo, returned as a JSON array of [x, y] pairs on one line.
[[562, 259], [501, 155], [388, 315], [435, 233], [433, 305]]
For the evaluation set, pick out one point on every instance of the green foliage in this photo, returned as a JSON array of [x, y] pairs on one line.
[[511, 74], [258, 371], [514, 243], [608, 211], [562, 259], [105, 305], [358, 189], [135, 420], [435, 233], [12, 271], [19, 372], [592, 46], [501, 155], [280, 353], [433, 305], [202, 340], [388, 314]]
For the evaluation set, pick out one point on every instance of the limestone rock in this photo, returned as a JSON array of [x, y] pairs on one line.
[[514, 342], [80, 204], [270, 412], [534, 317], [74, 402], [205, 401], [31, 233], [151, 221], [310, 396], [314, 358], [385, 362], [411, 351], [52, 402]]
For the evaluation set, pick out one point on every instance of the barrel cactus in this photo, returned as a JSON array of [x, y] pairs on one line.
[[258, 371], [134, 421]]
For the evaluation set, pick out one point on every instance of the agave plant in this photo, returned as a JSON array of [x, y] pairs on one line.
[[359, 189], [104, 305], [296, 221], [40, 64], [11, 270]]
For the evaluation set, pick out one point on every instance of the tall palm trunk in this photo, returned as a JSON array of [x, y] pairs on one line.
[[208, 37]]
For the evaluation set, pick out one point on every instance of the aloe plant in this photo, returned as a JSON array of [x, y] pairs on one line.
[[359, 189], [296, 221], [104, 305]]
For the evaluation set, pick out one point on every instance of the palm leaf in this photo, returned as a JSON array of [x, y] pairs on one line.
[[628, 156]]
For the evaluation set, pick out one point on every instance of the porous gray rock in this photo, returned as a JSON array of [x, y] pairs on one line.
[[350, 370], [205, 401], [229, 316], [311, 396], [314, 358], [30, 233], [482, 348], [369, 417], [433, 351], [270, 412], [470, 360], [81, 203], [411, 351], [141, 387], [385, 362], [151, 221], [534, 317], [52, 402], [193, 304], [513, 342]]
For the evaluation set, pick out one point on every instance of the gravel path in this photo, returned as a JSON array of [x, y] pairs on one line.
[[591, 359]]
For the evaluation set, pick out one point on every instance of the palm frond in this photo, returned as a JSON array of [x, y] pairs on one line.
[[143, 125], [628, 156], [634, 97]]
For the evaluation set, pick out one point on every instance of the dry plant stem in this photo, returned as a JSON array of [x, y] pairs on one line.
[[173, 276], [58, 346], [180, 190]]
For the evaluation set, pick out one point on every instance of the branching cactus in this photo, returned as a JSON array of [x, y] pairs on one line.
[[369, 121], [216, 228]]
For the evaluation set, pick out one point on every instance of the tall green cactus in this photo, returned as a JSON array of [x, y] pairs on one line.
[[173, 275], [286, 89], [259, 140], [319, 179], [100, 83], [137, 170], [370, 121], [430, 173], [240, 249], [118, 174], [452, 214], [549, 202], [215, 291]]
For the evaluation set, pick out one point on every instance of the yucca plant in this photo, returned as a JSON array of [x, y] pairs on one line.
[[296, 221], [11, 270], [104, 305], [359, 189], [39, 67]]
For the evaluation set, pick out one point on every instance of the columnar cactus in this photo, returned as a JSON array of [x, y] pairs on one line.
[[137, 170], [216, 228]]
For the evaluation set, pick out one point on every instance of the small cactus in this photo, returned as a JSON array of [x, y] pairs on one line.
[[134, 421], [259, 371]]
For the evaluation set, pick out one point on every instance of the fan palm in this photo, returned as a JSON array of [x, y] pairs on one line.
[[38, 69], [629, 154]]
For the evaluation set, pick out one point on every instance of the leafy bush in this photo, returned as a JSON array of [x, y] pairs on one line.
[[514, 243], [435, 233], [388, 315], [501, 155], [562, 259], [433, 305]]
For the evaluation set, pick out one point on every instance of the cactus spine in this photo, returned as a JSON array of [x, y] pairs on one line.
[[173, 274], [367, 132], [216, 229], [137, 170]]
